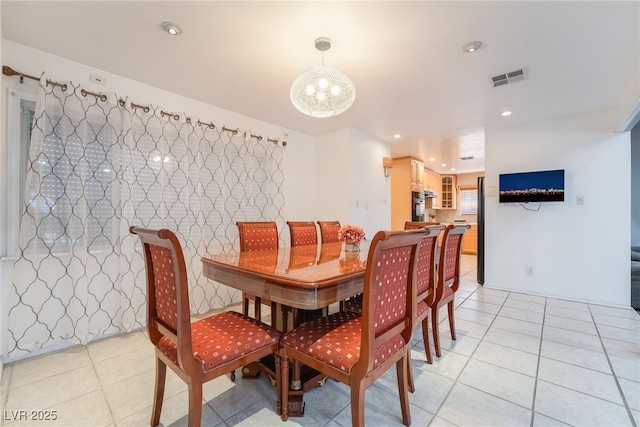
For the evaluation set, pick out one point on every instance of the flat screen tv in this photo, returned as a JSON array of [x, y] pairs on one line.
[[540, 186]]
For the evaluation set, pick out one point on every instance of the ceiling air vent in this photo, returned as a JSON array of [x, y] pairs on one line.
[[510, 77], [467, 158]]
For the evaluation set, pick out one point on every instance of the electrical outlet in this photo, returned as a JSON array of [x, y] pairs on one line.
[[97, 80], [529, 270], [580, 200]]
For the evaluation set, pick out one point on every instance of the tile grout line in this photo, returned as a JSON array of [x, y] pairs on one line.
[[613, 372], [455, 381], [535, 384], [66, 372], [102, 392]]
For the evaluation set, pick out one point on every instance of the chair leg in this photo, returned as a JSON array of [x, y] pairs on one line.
[[411, 384], [452, 326], [357, 402], [425, 339], [158, 395], [403, 391], [284, 376], [195, 403], [434, 327]]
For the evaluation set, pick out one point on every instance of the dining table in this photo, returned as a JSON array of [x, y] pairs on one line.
[[301, 282]]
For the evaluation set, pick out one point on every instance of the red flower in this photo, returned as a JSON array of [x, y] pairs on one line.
[[351, 234]]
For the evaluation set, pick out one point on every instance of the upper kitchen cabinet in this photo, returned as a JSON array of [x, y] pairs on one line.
[[407, 174], [433, 183], [427, 179], [449, 192], [417, 173]]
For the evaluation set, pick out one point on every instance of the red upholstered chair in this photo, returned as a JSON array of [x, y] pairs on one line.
[[329, 231], [355, 303], [448, 279], [354, 349], [303, 233], [257, 236], [200, 351], [426, 288]]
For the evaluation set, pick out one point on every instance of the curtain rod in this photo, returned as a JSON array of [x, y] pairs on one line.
[[8, 71]]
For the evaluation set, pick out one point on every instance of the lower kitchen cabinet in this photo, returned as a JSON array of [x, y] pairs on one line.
[[470, 241]]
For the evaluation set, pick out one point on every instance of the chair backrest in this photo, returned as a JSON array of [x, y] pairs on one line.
[[412, 225], [303, 233], [425, 265], [329, 231], [449, 263], [258, 235], [168, 313], [388, 301]]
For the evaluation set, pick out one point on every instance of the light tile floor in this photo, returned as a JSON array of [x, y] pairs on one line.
[[519, 360]]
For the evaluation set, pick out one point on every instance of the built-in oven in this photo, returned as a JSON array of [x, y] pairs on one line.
[[417, 208]]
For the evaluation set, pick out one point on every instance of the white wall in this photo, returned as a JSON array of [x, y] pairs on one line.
[[351, 186], [371, 191], [578, 252], [333, 170]]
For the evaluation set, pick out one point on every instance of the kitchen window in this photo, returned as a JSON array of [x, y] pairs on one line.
[[469, 200]]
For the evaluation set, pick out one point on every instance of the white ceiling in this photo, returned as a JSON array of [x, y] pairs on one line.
[[405, 59]]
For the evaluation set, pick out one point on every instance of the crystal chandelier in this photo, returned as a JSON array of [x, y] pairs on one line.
[[322, 91]]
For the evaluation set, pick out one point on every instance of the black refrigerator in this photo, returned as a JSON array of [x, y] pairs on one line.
[[481, 203]]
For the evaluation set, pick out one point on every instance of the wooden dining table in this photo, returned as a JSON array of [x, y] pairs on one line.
[[301, 282]]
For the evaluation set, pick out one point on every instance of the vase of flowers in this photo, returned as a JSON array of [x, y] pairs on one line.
[[351, 235], [351, 247]]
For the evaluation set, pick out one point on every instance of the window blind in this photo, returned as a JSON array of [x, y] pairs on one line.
[[469, 201]]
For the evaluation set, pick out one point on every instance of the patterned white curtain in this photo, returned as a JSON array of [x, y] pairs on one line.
[[98, 165]]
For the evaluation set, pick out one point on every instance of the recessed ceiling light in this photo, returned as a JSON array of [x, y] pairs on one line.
[[432, 159], [506, 113], [443, 165], [472, 46], [171, 28], [396, 136], [452, 169]]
